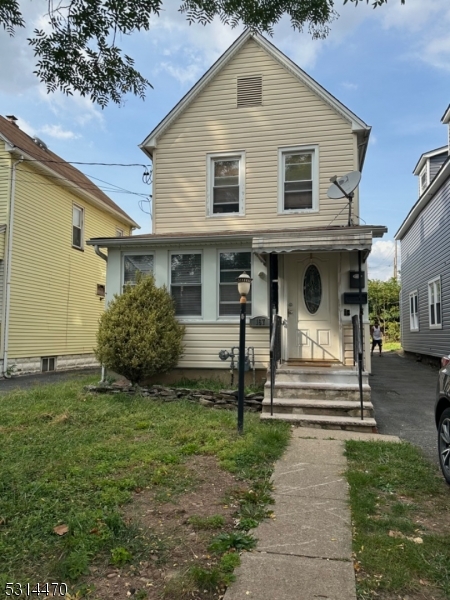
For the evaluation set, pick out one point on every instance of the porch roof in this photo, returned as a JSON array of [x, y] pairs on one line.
[[320, 240], [358, 237]]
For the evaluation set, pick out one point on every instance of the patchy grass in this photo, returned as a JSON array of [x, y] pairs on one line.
[[391, 346], [71, 458], [401, 518]]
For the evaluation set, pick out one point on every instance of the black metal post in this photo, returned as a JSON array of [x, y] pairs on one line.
[[361, 339], [241, 364]]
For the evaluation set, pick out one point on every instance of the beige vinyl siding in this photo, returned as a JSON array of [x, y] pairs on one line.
[[204, 341], [291, 115], [54, 306]]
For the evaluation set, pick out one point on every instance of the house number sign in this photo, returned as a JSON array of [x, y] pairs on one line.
[[260, 322]]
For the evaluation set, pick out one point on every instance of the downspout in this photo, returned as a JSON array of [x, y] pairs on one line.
[[98, 252], [8, 265]]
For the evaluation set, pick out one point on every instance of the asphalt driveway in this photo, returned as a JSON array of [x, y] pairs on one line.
[[403, 394]]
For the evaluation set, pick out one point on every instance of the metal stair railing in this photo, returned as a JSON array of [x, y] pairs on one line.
[[275, 353]]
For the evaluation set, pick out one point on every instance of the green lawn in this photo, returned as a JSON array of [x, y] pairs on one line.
[[73, 458], [401, 521]]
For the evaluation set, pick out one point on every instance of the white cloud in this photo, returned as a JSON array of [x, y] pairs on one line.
[[25, 126], [58, 132], [381, 260], [348, 85]]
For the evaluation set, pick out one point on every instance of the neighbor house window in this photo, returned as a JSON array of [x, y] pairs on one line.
[[186, 284], [413, 311], [225, 184], [119, 232], [134, 264], [232, 264], [434, 303], [423, 180], [77, 226], [298, 179]]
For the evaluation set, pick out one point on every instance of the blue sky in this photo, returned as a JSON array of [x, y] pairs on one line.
[[391, 66]]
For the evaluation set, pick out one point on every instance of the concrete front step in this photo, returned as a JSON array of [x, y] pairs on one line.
[[368, 425], [319, 391], [340, 375], [341, 408]]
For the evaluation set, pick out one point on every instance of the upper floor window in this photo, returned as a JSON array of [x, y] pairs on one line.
[[298, 179], [119, 232], [186, 284], [423, 180], [434, 303], [134, 264], [77, 226], [232, 264], [413, 311], [225, 184]]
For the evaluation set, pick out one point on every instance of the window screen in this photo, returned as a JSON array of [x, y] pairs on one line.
[[134, 264], [186, 284], [232, 264]]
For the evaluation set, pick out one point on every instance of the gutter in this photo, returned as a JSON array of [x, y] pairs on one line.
[[8, 266]]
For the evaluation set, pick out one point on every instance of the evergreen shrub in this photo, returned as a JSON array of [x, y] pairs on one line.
[[139, 335]]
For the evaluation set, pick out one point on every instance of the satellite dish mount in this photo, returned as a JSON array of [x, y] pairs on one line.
[[344, 187]]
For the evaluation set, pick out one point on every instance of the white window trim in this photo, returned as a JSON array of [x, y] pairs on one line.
[[413, 294], [282, 151], [430, 282], [231, 318], [210, 157], [131, 253], [194, 318], [81, 209], [119, 232], [426, 170]]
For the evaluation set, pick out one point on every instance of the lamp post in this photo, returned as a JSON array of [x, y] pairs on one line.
[[243, 282]]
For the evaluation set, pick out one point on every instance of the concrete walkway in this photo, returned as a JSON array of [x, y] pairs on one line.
[[305, 552]]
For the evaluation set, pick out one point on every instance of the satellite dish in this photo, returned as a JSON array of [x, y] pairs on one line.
[[345, 185]]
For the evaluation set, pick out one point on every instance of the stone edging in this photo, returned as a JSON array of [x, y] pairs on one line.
[[223, 399]]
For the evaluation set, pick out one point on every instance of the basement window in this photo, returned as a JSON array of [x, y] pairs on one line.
[[48, 363]]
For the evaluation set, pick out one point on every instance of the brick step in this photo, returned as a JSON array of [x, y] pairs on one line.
[[311, 406], [368, 425]]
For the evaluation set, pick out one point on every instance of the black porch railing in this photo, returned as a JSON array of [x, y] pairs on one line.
[[358, 357], [275, 353]]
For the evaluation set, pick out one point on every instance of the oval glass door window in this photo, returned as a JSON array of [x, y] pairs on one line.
[[312, 289]]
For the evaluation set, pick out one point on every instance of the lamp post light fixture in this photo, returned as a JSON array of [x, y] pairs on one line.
[[244, 282]]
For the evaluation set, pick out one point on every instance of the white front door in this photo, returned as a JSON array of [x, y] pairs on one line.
[[313, 321]]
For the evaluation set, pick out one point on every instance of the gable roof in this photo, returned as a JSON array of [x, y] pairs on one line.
[[46, 160], [426, 155], [446, 116], [440, 179], [357, 124]]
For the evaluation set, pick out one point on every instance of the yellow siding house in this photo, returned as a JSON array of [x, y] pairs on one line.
[[241, 171], [51, 282]]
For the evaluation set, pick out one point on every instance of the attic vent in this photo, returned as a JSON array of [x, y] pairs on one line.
[[249, 91], [40, 143]]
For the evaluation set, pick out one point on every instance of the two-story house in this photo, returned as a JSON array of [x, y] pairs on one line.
[[241, 169], [51, 284], [425, 243]]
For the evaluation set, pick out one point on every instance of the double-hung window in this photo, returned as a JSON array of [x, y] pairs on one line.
[[232, 264], [414, 311], [298, 179], [77, 226], [225, 184], [423, 180], [434, 303], [134, 264], [186, 284]]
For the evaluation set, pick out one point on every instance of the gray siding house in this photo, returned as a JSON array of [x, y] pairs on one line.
[[425, 247]]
